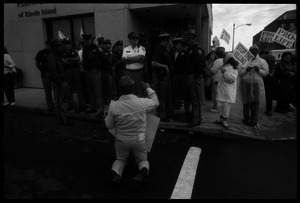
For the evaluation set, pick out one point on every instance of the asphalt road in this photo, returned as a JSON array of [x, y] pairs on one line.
[[45, 160]]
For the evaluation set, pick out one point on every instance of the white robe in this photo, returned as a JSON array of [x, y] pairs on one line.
[[226, 91]]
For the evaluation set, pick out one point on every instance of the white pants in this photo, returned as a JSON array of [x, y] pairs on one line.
[[123, 147], [224, 108]]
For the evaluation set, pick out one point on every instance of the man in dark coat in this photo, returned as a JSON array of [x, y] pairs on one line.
[[194, 63]]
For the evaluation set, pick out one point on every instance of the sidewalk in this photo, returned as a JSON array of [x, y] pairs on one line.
[[277, 127]]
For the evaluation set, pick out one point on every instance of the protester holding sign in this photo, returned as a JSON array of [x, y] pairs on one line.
[[252, 86], [226, 82]]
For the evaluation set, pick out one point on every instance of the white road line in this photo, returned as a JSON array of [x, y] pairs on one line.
[[185, 182]]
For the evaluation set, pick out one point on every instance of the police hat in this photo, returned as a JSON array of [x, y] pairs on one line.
[[164, 36], [87, 36], [107, 41], [177, 40], [190, 35], [66, 41], [133, 35]]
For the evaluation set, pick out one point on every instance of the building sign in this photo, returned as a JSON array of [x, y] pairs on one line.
[[267, 36], [225, 36], [284, 38], [31, 12], [242, 54]]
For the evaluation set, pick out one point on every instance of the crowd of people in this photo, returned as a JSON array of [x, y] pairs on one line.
[[167, 73]]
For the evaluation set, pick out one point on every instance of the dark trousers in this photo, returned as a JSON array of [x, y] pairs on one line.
[[75, 84], [268, 92], [195, 91], [48, 87], [8, 86], [138, 77], [253, 109], [60, 92], [177, 87], [85, 92], [94, 85], [108, 87], [163, 89]]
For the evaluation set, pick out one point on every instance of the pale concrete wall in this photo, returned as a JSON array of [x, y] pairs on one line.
[[111, 24]]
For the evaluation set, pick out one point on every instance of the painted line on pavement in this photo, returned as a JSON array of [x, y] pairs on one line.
[[185, 182]]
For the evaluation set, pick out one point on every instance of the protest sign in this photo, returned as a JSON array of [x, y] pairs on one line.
[[267, 36], [151, 128], [284, 37], [225, 36], [242, 54]]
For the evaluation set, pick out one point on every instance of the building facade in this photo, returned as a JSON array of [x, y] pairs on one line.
[[286, 21], [28, 25]]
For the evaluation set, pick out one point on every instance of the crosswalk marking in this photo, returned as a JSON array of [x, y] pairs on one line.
[[185, 182]]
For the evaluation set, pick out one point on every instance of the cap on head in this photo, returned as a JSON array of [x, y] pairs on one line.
[[177, 40], [164, 36], [133, 35]]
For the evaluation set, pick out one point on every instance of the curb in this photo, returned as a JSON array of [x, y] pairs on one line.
[[217, 132]]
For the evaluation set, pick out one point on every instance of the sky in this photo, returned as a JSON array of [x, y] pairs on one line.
[[259, 15]]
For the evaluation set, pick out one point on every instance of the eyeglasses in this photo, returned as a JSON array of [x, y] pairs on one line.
[[134, 38]]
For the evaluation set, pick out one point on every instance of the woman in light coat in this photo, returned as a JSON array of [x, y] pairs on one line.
[[8, 79], [226, 78]]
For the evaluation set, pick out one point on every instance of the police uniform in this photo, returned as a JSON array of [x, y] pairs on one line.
[[162, 80], [73, 74], [58, 75], [194, 64], [135, 70], [91, 63], [41, 63], [107, 73]]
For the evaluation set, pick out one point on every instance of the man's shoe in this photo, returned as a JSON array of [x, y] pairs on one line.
[[119, 181], [70, 108], [66, 123], [252, 123], [213, 110], [192, 125], [12, 103], [246, 122], [166, 120], [268, 113], [5, 103]]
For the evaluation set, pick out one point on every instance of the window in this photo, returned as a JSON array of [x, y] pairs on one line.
[[70, 27]]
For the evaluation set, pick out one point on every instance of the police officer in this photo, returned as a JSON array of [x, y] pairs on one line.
[[118, 63], [71, 60], [41, 64], [107, 72], [133, 56], [91, 62], [161, 64], [177, 75], [194, 63], [58, 75]]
